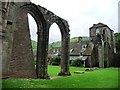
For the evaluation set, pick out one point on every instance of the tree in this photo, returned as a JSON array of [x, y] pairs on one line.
[[56, 60], [117, 41]]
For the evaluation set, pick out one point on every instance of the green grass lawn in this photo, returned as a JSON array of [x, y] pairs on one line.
[[102, 78]]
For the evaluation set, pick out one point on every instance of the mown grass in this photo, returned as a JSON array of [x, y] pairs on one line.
[[102, 78]]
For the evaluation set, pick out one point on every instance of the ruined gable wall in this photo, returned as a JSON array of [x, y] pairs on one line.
[[19, 63]]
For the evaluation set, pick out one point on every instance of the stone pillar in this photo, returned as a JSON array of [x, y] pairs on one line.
[[42, 50], [0, 42], [90, 61], [7, 47], [100, 57], [109, 55], [4, 57], [6, 37], [65, 55]]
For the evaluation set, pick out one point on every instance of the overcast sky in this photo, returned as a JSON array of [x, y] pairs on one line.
[[80, 14]]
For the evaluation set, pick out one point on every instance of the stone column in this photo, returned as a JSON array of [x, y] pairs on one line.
[[5, 36], [100, 57], [42, 50], [0, 41], [90, 61], [109, 55], [65, 55]]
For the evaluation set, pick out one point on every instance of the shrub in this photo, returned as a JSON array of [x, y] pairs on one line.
[[56, 60], [76, 63]]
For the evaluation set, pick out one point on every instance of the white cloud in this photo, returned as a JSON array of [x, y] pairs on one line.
[[81, 14]]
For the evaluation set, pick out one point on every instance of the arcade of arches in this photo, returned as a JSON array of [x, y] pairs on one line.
[[17, 51]]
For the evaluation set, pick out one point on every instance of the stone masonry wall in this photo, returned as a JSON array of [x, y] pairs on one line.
[[21, 63]]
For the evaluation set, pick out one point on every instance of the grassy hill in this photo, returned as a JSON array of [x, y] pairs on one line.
[[75, 39], [55, 44], [58, 43]]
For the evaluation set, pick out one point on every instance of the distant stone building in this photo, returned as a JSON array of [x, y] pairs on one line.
[[101, 48], [54, 51], [76, 50]]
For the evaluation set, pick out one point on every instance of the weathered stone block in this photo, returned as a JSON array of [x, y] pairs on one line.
[[79, 72]]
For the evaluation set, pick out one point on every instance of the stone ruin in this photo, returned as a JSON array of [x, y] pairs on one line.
[[17, 54], [15, 42], [101, 48]]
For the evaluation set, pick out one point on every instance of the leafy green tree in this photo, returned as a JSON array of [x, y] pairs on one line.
[[76, 63], [117, 41], [56, 60]]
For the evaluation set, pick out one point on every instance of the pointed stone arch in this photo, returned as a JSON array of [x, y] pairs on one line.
[[20, 56], [64, 29]]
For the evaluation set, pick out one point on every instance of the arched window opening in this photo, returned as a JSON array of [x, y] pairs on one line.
[[54, 34], [54, 51], [97, 31], [33, 35]]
